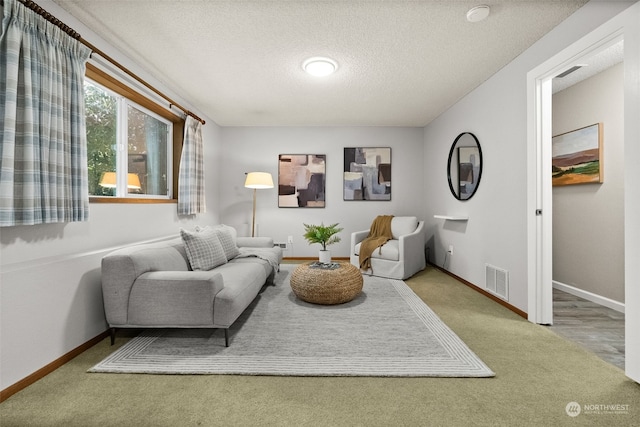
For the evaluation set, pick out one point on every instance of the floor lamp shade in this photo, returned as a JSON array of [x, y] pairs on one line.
[[257, 181]]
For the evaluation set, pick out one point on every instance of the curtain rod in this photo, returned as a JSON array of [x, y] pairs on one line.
[[72, 33]]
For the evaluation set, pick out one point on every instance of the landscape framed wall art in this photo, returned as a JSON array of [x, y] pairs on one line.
[[301, 180], [367, 173], [577, 156]]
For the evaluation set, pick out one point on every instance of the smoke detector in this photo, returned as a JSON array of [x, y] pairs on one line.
[[478, 13]]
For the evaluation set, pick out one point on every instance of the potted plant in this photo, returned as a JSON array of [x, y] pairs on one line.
[[323, 234]]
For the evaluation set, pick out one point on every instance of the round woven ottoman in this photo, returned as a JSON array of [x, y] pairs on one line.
[[326, 286]]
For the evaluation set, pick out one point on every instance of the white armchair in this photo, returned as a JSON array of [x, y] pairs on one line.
[[399, 258]]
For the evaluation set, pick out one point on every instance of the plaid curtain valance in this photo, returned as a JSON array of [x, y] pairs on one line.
[[43, 156]]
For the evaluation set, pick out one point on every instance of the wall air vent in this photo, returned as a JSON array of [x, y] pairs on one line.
[[569, 71], [497, 281]]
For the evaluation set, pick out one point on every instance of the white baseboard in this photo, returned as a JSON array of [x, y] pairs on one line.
[[589, 296]]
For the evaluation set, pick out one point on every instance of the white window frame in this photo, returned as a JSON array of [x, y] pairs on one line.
[[122, 152]]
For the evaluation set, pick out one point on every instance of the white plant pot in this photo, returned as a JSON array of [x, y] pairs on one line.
[[325, 257]]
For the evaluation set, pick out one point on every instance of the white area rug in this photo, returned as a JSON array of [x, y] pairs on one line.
[[387, 331]]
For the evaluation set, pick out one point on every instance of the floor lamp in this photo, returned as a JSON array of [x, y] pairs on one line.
[[257, 181]]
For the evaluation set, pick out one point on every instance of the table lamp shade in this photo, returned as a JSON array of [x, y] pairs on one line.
[[108, 180]]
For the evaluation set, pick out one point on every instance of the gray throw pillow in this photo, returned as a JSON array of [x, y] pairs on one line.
[[227, 240], [203, 248]]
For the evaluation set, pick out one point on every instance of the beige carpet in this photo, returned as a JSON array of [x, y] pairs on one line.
[[537, 375]]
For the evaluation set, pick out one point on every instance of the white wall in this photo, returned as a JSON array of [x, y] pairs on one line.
[[248, 149], [588, 220], [50, 292], [496, 112]]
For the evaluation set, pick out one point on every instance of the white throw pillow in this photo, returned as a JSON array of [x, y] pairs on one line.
[[203, 248]]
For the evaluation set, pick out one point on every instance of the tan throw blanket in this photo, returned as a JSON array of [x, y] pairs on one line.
[[379, 234]]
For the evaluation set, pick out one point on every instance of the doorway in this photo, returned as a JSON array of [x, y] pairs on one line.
[[540, 125], [588, 203], [539, 197]]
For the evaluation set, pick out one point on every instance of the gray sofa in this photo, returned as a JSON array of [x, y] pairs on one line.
[[155, 285]]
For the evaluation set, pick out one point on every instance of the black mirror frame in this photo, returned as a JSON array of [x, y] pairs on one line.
[[453, 147]]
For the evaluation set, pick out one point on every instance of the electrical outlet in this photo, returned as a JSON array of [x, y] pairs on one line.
[[290, 239], [450, 250]]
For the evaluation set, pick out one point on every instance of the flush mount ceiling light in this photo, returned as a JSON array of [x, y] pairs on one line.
[[320, 67], [478, 13]]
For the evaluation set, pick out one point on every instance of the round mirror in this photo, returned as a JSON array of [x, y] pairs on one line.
[[465, 166]]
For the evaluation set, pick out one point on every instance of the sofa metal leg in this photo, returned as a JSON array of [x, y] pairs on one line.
[[226, 337], [112, 332]]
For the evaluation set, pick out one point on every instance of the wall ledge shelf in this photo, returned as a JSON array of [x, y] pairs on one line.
[[452, 217]]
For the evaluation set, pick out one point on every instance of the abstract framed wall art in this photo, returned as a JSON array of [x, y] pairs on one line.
[[367, 173], [577, 156], [301, 180]]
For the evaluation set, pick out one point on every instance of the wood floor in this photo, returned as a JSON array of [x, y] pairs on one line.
[[595, 327]]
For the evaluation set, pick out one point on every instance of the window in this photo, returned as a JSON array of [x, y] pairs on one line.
[[102, 123], [132, 143], [128, 146]]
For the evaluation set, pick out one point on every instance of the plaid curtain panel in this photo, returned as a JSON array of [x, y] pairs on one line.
[[43, 156], [191, 175]]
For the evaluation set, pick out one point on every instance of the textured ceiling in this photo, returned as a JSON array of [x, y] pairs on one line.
[[401, 63]]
